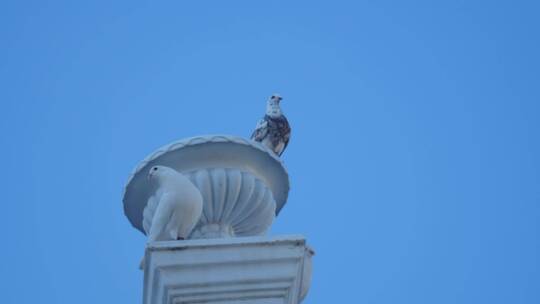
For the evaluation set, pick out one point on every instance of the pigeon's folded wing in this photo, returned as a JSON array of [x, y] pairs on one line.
[[149, 211], [286, 135], [260, 131]]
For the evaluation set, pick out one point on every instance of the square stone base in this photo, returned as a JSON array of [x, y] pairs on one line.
[[254, 270]]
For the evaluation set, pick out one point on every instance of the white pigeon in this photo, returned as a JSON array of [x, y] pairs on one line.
[[273, 130], [176, 207]]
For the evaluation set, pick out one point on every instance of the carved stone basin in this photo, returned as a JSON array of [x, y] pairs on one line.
[[244, 185]]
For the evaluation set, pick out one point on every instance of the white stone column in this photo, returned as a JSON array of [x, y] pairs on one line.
[[227, 258], [254, 270]]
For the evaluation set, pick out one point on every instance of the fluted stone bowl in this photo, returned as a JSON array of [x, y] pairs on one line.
[[244, 185]]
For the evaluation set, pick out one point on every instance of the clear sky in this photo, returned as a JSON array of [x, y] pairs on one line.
[[414, 159]]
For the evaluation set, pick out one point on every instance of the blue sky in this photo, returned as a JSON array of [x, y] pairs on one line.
[[414, 159]]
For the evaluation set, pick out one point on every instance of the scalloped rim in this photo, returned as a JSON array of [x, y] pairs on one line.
[[202, 139]]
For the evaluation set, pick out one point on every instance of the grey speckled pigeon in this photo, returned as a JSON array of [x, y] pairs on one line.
[[273, 129]]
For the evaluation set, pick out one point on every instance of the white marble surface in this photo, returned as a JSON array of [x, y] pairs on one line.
[[244, 185], [255, 270]]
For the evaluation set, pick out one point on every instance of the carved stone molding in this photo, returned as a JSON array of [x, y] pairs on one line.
[[244, 185], [251, 270]]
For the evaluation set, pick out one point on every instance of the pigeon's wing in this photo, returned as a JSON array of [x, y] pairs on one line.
[[260, 131], [286, 134], [149, 211], [161, 216]]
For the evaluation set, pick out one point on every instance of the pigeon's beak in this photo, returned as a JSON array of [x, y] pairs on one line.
[[148, 176]]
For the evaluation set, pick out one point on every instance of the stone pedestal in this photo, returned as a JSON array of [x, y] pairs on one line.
[[227, 258], [254, 270]]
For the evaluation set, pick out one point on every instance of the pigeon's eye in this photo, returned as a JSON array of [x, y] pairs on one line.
[[155, 168]]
